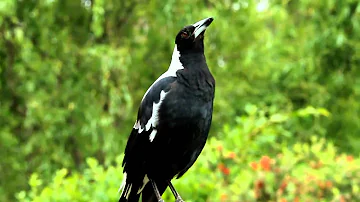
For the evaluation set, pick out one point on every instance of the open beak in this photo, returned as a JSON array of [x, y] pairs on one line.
[[201, 26]]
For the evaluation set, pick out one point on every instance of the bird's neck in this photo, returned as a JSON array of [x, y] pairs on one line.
[[185, 59], [191, 70], [195, 61], [192, 57]]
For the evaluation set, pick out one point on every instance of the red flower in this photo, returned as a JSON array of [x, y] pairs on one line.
[[231, 155], [283, 185], [221, 166], [329, 184], [223, 197], [219, 147], [254, 165], [321, 184], [226, 171], [349, 158], [223, 169], [265, 163]]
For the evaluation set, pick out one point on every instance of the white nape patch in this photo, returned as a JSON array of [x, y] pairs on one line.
[[145, 181], [175, 65]]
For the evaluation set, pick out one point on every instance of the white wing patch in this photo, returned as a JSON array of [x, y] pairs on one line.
[[175, 65], [137, 125], [152, 135], [154, 119]]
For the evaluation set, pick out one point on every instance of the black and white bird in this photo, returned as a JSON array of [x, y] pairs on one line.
[[173, 121]]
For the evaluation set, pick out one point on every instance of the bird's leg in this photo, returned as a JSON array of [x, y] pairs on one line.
[[177, 196], [156, 190]]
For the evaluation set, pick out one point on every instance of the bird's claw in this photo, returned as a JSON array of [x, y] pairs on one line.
[[161, 200], [179, 200]]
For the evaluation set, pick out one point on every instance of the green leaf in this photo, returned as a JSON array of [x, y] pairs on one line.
[[278, 118], [34, 180], [250, 109], [92, 162]]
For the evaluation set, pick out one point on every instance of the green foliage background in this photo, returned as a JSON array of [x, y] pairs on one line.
[[73, 73]]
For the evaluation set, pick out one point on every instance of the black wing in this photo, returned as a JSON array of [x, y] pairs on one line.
[[146, 119], [140, 139]]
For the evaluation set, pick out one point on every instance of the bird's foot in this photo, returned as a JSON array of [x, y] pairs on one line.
[[179, 200], [161, 200]]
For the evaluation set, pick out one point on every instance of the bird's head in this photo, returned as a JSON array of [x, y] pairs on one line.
[[191, 38]]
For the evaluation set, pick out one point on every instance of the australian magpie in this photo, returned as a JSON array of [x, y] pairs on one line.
[[173, 121]]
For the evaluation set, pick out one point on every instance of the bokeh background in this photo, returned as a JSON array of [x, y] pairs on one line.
[[287, 109]]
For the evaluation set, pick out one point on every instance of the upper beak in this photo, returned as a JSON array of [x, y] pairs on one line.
[[201, 26]]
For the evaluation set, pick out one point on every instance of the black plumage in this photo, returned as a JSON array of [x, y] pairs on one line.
[[173, 121]]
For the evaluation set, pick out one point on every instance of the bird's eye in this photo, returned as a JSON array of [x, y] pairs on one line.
[[184, 35]]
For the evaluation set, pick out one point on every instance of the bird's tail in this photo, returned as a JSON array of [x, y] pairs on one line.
[[148, 194], [129, 193]]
